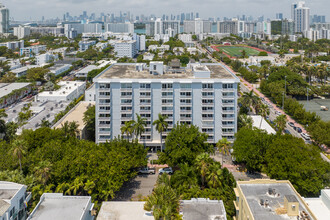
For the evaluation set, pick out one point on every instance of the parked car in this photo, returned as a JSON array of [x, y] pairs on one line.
[[287, 131], [147, 170], [167, 170], [305, 136], [278, 113], [291, 124], [299, 130]]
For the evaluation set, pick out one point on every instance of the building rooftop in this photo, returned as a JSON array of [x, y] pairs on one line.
[[76, 114], [58, 66], [9, 189], [66, 88], [7, 88], [197, 209], [123, 211], [264, 124], [54, 206], [272, 193], [129, 71], [320, 206]]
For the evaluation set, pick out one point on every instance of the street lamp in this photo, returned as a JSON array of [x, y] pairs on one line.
[[284, 93]]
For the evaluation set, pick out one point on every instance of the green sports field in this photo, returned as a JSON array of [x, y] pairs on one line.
[[236, 51]]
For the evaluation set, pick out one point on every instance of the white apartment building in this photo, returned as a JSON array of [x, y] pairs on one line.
[[119, 27], [57, 69], [13, 44], [46, 58], [69, 91], [32, 51], [82, 28], [125, 48], [159, 26], [203, 95], [13, 201], [22, 31], [301, 17], [58, 206], [197, 26], [85, 45]]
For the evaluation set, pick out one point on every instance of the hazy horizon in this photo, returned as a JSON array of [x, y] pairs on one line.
[[35, 9]]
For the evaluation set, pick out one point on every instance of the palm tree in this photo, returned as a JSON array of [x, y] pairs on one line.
[[42, 170], [139, 126], [128, 128], [202, 161], [280, 123], [19, 150], [70, 128], [264, 112], [163, 202], [76, 186], [224, 147], [245, 121], [213, 175], [161, 126], [185, 177], [249, 99]]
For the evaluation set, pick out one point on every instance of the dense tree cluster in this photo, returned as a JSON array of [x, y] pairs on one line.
[[283, 157], [53, 161]]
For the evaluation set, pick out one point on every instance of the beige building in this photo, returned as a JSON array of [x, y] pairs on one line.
[[271, 200], [76, 115]]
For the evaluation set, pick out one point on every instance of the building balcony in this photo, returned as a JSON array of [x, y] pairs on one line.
[[104, 125], [126, 89], [207, 118], [207, 111], [185, 118], [228, 133], [228, 119], [228, 111], [126, 97], [228, 126], [126, 118], [104, 96]]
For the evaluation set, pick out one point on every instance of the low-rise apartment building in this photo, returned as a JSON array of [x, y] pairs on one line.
[[269, 199], [13, 201], [125, 48]]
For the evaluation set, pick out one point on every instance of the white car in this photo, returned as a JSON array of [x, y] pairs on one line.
[[305, 136], [167, 170]]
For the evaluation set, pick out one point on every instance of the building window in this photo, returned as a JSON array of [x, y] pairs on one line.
[[207, 86], [228, 86], [104, 108], [126, 101], [145, 86], [167, 101], [126, 85], [167, 86], [104, 86], [185, 86]]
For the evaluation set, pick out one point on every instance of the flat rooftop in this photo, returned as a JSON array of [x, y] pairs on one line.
[[7, 88], [255, 191], [320, 206], [123, 211], [67, 87], [129, 71], [9, 189], [197, 209], [76, 114], [54, 206]]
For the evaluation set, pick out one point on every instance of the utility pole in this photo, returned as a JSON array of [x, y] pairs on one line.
[[284, 93]]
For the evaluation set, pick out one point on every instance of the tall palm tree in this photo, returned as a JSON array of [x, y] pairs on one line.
[[161, 126], [249, 99], [139, 126], [280, 123], [214, 175], [186, 177], [202, 161], [70, 128], [19, 150], [128, 128], [224, 147], [264, 112]]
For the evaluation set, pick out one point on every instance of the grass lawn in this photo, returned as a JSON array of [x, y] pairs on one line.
[[234, 51]]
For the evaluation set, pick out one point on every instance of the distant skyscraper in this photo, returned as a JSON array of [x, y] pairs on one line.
[[197, 15], [4, 19], [279, 16], [301, 17], [293, 8]]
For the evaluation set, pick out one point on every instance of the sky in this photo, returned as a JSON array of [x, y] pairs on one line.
[[35, 9]]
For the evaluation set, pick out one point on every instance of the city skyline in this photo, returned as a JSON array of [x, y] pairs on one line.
[[34, 10]]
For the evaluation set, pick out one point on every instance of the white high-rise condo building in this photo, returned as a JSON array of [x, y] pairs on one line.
[[301, 17], [125, 48], [201, 94], [4, 19], [162, 27], [197, 26]]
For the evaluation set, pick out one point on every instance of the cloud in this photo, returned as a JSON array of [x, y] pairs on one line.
[[25, 9]]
